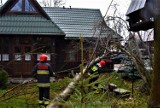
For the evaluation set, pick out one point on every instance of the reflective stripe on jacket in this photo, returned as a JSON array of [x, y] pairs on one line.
[[43, 72], [93, 70]]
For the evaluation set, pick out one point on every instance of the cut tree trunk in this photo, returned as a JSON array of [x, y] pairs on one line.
[[64, 96]]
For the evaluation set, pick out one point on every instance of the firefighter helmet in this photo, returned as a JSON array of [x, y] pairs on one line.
[[43, 57], [102, 63]]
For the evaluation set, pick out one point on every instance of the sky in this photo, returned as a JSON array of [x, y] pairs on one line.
[[103, 5]]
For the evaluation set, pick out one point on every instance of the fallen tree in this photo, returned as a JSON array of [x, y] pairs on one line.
[[65, 94]]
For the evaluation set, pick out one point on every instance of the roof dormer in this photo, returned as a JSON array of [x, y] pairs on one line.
[[23, 6]]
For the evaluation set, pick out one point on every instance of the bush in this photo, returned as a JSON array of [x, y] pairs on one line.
[[3, 79]]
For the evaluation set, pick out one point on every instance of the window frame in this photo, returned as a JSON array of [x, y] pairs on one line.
[[27, 57], [68, 55], [5, 57], [23, 8], [18, 57]]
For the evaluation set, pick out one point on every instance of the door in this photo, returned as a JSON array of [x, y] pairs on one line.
[[23, 62]]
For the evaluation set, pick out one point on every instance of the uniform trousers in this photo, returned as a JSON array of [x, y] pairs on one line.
[[44, 93]]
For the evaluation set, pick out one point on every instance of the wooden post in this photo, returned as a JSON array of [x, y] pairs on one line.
[[154, 101], [82, 55], [81, 68]]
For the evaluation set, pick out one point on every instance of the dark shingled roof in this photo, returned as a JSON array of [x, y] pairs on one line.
[[76, 21], [135, 6], [71, 22], [28, 24]]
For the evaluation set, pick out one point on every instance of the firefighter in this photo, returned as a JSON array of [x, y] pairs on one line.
[[97, 70], [42, 71]]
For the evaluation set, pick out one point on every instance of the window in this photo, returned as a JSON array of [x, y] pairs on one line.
[[27, 57], [27, 53], [49, 57], [5, 57], [28, 6], [18, 56], [5, 49], [23, 6], [38, 55], [17, 6], [72, 56]]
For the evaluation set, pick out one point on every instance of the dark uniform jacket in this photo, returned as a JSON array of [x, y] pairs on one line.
[[42, 72]]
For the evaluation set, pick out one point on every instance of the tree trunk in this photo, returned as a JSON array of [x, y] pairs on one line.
[[71, 86], [154, 101]]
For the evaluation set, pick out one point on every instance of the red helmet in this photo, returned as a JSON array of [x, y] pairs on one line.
[[102, 63], [43, 57]]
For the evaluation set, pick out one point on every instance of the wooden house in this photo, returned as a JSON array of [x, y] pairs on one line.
[[27, 30]]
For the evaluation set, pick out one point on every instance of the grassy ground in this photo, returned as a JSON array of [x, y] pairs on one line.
[[26, 96]]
